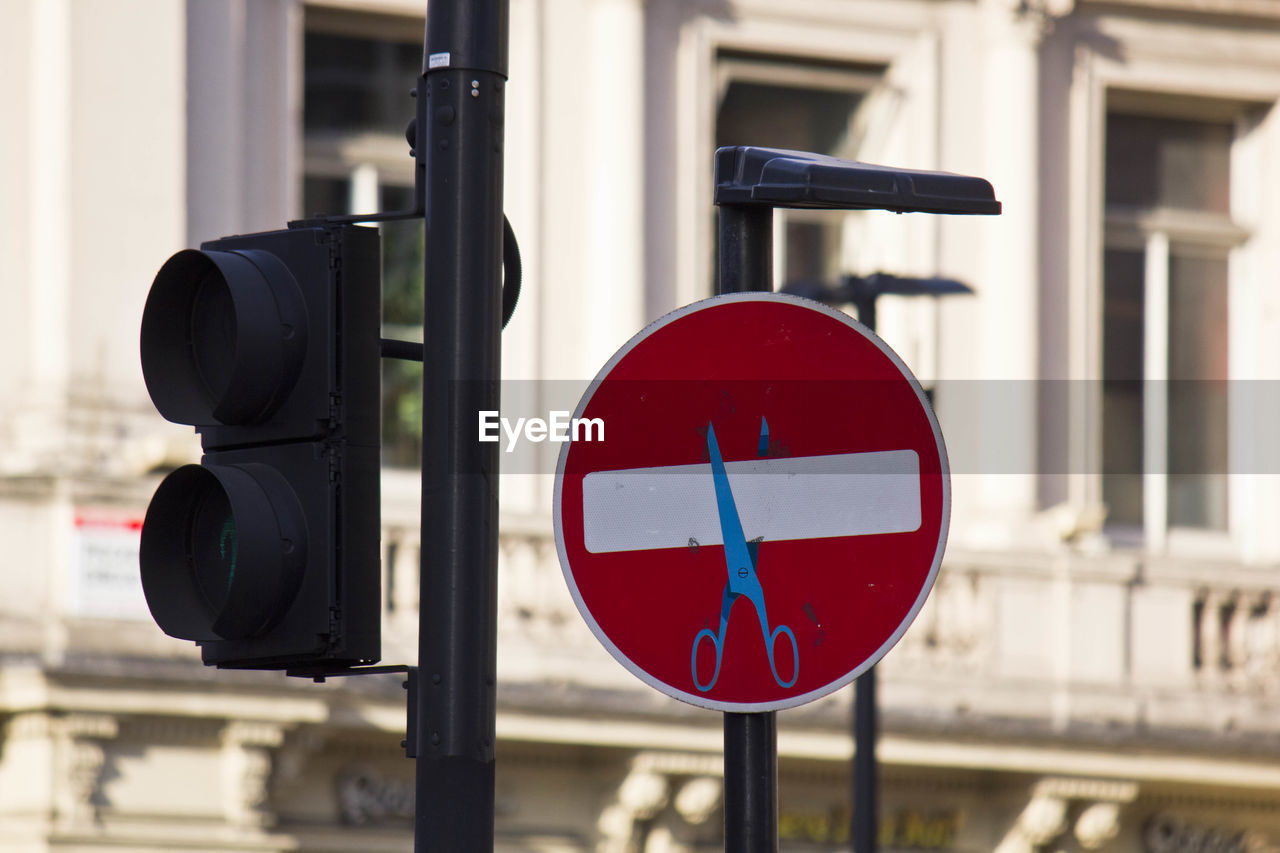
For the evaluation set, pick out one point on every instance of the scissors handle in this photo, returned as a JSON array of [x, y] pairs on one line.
[[795, 656], [771, 639], [718, 643], [771, 643]]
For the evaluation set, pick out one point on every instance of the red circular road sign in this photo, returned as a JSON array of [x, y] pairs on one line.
[[757, 504]]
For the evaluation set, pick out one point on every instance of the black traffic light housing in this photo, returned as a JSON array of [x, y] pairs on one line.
[[266, 553]]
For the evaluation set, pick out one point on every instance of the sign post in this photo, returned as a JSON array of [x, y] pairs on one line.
[[751, 739], [758, 536], [770, 509]]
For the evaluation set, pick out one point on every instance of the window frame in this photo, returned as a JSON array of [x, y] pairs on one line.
[[1169, 77], [367, 159], [866, 80], [843, 43], [1161, 233], [1160, 238]]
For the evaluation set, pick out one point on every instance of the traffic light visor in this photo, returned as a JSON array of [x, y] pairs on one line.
[[222, 552], [223, 336]]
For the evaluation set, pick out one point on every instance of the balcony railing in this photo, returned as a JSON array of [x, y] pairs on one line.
[[1051, 638]]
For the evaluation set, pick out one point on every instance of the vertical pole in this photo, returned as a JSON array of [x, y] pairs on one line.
[[750, 740], [865, 808], [866, 305], [751, 782], [458, 145], [746, 248], [864, 821]]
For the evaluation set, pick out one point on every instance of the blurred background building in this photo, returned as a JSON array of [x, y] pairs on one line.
[[1098, 667]]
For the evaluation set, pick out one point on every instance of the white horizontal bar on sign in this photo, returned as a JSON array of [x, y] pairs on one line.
[[802, 497]]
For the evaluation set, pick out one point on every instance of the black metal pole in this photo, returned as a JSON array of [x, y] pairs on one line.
[[750, 740], [864, 826], [751, 782], [746, 248], [865, 815], [866, 305], [458, 144]]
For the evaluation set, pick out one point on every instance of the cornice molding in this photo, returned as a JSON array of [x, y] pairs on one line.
[[1265, 9]]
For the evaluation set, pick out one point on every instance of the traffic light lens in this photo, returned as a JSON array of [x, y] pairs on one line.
[[222, 551], [214, 546], [223, 337], [213, 335]]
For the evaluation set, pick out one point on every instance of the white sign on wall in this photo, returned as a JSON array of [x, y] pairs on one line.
[[104, 581]]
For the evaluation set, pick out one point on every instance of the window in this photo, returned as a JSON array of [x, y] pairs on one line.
[[777, 103], [359, 70], [1169, 234]]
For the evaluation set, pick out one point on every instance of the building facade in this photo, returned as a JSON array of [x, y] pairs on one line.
[[1098, 667]]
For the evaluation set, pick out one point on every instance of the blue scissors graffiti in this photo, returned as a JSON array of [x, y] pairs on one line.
[[740, 561]]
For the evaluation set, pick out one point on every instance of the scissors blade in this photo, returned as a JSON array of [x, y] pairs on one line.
[[738, 558]]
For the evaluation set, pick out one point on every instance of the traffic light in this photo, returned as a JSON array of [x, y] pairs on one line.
[[266, 553]]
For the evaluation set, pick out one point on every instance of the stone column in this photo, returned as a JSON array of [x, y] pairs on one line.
[[1043, 819], [639, 818], [51, 767], [244, 114], [614, 242], [640, 797], [246, 772], [1010, 286], [1096, 803]]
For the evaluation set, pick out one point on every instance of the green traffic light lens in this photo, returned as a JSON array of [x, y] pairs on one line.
[[214, 546], [223, 550]]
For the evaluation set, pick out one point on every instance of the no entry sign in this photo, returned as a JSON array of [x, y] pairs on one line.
[[768, 510]]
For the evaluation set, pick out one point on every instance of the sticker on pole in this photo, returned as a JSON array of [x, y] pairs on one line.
[[769, 510]]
